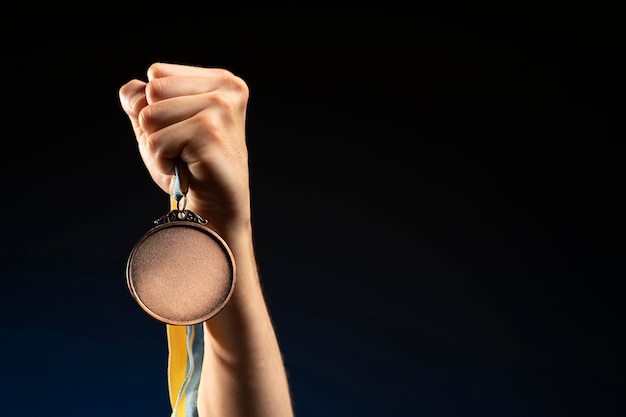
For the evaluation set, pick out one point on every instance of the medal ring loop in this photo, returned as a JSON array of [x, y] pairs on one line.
[[182, 200]]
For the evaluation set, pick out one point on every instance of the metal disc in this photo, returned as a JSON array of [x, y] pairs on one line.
[[181, 273]]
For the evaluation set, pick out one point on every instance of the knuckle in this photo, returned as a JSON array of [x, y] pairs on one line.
[[151, 142], [146, 119], [155, 70], [154, 90], [208, 123], [221, 101], [233, 83]]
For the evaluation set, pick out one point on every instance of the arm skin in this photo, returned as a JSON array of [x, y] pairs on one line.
[[198, 115]]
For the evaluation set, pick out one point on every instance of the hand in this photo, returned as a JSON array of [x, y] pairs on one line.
[[197, 116]]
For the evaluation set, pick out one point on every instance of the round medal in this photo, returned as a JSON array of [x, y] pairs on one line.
[[181, 272]]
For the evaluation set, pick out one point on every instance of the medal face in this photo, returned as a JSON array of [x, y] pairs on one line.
[[181, 272]]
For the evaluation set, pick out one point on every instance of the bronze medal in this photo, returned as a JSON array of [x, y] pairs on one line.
[[181, 272]]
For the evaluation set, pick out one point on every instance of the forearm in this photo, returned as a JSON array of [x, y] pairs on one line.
[[243, 372]]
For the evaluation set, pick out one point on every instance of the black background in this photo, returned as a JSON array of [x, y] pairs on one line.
[[436, 201]]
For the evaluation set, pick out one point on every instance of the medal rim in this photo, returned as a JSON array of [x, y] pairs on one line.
[[212, 234]]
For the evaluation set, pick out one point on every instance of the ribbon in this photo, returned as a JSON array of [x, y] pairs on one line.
[[185, 343]]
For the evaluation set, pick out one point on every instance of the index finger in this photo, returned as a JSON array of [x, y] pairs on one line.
[[162, 69], [132, 97]]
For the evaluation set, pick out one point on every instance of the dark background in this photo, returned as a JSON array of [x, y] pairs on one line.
[[436, 199]]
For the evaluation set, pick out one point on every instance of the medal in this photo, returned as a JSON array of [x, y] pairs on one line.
[[181, 272]]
